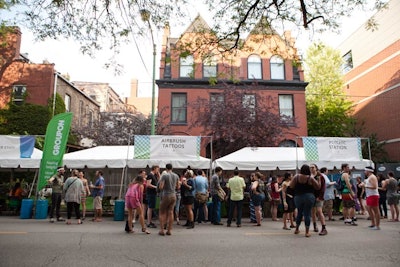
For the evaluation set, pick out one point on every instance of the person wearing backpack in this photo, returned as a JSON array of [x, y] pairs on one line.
[[348, 196]]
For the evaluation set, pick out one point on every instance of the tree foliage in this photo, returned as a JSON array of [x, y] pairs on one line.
[[24, 119], [104, 24], [114, 128], [328, 109], [238, 117]]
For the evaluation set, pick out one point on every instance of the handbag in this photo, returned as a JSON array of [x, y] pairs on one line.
[[221, 194], [201, 197]]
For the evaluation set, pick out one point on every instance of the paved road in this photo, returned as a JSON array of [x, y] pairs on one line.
[[32, 242]]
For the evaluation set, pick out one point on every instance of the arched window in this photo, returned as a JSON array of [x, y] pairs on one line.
[[210, 67], [277, 68], [186, 67], [254, 69]]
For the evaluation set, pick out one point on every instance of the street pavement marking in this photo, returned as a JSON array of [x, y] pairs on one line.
[[13, 233], [274, 233]]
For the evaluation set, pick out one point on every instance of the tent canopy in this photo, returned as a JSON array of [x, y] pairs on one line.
[[121, 156], [25, 163], [272, 158]]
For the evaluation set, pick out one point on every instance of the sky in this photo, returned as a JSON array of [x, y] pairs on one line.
[[68, 59]]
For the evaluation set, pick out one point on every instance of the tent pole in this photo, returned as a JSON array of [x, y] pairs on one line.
[[33, 183]]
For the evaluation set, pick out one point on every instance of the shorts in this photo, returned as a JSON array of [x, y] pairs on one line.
[[258, 199], [167, 203], [319, 203], [373, 201], [328, 204], [347, 201], [98, 203], [151, 201], [394, 200], [132, 203], [187, 200]]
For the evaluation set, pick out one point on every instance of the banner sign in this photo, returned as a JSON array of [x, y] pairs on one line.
[[332, 148], [16, 146], [54, 146], [166, 146]]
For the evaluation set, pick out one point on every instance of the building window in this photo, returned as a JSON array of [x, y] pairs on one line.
[[347, 62], [249, 103], [216, 102], [67, 101], [178, 108], [287, 143], [81, 112], [254, 69], [18, 94], [210, 67], [277, 68], [90, 124], [186, 67], [286, 108]]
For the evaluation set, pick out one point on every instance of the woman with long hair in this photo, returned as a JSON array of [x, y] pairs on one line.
[[304, 186], [187, 193], [85, 194], [257, 195]]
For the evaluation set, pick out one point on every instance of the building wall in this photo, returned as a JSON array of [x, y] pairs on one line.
[[373, 84], [231, 67]]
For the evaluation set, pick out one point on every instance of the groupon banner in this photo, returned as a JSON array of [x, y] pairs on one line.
[[54, 146], [332, 148], [166, 146], [16, 146]]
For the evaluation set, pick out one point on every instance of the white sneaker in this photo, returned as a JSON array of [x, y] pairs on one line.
[[376, 228]]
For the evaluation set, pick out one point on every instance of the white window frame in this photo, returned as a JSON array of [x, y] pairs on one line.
[[67, 102], [19, 92], [210, 67], [254, 67], [277, 65], [186, 69], [286, 107], [178, 108]]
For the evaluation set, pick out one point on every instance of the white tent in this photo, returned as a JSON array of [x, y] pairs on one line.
[[26, 163], [271, 158], [121, 156]]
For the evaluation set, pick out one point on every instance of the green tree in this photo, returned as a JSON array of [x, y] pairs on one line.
[[328, 109], [104, 24]]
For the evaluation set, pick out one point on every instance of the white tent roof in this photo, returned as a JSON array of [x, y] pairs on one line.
[[25, 163], [271, 158], [121, 156]]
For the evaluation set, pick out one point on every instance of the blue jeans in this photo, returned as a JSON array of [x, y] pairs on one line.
[[238, 204], [216, 209], [304, 204]]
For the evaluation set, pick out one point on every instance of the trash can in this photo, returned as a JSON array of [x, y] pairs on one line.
[[41, 208], [26, 208], [119, 210]]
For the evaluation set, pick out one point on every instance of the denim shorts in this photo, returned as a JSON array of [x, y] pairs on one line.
[[151, 201], [258, 199]]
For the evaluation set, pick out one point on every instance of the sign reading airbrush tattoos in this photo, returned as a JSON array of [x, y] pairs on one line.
[[332, 148], [166, 146]]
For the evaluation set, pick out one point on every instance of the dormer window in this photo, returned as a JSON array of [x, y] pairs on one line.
[[254, 69], [277, 68]]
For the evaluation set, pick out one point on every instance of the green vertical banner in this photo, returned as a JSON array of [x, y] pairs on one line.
[[54, 146]]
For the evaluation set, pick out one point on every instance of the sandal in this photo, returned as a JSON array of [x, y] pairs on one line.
[[307, 235], [286, 228], [161, 233], [296, 232], [168, 233], [144, 230], [130, 231]]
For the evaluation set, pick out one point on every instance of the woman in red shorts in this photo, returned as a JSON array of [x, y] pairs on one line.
[[371, 191]]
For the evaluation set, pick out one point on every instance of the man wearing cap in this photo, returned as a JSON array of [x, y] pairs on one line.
[[372, 194], [56, 182]]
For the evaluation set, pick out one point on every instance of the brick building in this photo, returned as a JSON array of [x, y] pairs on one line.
[[372, 77], [22, 80], [266, 59]]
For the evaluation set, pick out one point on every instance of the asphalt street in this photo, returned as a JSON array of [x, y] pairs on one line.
[[32, 242]]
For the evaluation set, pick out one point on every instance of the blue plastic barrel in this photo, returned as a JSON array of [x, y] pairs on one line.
[[41, 208], [26, 208], [119, 210]]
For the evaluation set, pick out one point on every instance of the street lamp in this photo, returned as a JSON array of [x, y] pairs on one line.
[[145, 15]]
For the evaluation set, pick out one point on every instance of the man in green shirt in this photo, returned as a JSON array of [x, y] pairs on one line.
[[236, 186]]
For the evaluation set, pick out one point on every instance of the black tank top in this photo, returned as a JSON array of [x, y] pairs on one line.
[[305, 188]]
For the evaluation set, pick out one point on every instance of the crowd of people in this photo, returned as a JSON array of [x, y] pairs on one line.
[[308, 196]]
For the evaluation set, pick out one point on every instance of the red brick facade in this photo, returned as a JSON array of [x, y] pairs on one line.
[[232, 68]]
